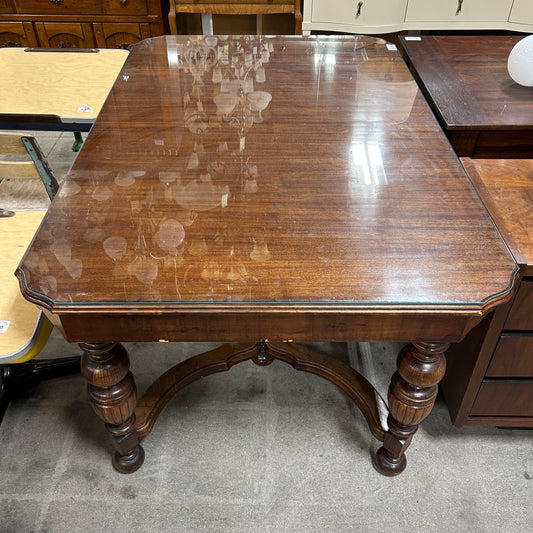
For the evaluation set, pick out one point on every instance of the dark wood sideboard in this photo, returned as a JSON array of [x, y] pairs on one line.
[[80, 23], [464, 78], [489, 380]]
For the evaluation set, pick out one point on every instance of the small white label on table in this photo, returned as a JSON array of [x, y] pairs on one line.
[[4, 324], [391, 47], [85, 109], [413, 38]]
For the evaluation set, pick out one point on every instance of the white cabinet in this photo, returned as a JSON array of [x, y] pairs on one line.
[[458, 10], [385, 16], [365, 13], [522, 12]]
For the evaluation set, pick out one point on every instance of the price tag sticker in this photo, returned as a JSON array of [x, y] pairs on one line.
[[391, 47], [4, 324], [85, 109], [413, 38]]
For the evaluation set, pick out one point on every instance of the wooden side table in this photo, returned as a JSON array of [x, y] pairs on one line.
[[464, 78], [489, 381], [235, 7]]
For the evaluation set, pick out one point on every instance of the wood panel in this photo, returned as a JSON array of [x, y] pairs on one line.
[[129, 7], [58, 7], [521, 315], [17, 34], [65, 35], [504, 398], [506, 188], [120, 35], [513, 357]]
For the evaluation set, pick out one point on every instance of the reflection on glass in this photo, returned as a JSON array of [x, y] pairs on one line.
[[385, 91], [219, 101], [367, 163]]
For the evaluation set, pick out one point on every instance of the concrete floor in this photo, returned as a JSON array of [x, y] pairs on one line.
[[256, 449]]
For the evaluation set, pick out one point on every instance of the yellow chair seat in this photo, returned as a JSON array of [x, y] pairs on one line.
[[23, 327]]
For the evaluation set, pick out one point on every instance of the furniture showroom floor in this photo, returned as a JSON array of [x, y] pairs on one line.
[[256, 449]]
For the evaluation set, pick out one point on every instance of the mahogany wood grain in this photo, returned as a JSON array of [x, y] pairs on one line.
[[506, 188], [521, 315], [465, 79], [305, 193], [513, 357], [504, 398]]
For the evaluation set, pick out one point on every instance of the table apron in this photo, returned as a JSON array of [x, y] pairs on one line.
[[244, 326]]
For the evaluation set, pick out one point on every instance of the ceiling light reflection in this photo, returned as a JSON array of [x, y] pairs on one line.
[[367, 163]]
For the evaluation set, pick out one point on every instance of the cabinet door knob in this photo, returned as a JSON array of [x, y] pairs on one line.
[[124, 2], [459, 7], [359, 8], [57, 2]]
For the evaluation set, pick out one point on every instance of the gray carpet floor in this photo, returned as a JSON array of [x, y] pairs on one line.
[[256, 449]]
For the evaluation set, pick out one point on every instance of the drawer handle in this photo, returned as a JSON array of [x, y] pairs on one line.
[[459, 7], [359, 8], [57, 2], [123, 2]]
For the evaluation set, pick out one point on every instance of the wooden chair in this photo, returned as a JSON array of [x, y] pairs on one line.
[[24, 329]]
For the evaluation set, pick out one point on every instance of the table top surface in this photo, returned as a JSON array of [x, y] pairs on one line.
[[68, 84], [466, 80], [506, 188], [272, 171]]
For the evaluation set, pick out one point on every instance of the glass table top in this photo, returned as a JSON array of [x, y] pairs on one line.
[[257, 170]]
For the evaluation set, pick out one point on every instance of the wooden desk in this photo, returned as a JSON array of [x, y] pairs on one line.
[[235, 7], [465, 80], [250, 190], [48, 89], [490, 374]]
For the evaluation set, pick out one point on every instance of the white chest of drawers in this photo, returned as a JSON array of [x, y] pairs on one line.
[[384, 16]]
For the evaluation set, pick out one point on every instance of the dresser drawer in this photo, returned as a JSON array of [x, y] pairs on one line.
[[521, 315], [17, 34], [370, 13], [504, 398], [59, 7], [522, 12], [65, 34], [446, 11], [125, 7], [513, 358]]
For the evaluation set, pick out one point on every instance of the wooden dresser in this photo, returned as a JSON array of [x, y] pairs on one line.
[[80, 23], [489, 380]]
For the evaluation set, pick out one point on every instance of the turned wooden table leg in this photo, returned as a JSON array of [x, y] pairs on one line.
[[113, 395], [412, 393]]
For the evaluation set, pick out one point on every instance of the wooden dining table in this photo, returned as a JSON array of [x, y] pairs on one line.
[[262, 192]]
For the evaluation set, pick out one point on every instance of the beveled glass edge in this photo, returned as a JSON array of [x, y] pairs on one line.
[[53, 304]]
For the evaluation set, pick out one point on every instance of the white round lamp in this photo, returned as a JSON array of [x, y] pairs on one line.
[[520, 62]]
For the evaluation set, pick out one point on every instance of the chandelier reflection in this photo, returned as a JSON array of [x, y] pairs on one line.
[[235, 66]]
